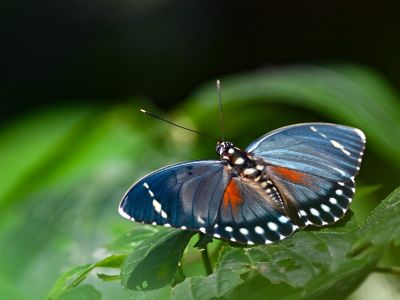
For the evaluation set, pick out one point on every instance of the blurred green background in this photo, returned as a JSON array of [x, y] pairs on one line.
[[76, 73]]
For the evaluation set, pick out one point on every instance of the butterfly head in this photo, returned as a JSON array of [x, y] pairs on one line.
[[223, 148]]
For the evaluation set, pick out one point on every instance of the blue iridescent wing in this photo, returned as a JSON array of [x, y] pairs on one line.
[[207, 196], [313, 166], [185, 195]]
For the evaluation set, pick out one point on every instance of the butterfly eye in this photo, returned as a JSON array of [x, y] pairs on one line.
[[220, 148]]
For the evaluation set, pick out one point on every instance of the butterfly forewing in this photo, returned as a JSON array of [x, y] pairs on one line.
[[185, 195]]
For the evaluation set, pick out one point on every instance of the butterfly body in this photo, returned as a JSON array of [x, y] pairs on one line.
[[291, 178]]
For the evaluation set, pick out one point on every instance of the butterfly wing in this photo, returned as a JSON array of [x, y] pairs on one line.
[[207, 196], [250, 215], [313, 166], [185, 195]]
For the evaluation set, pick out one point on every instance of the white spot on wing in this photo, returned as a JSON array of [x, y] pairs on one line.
[[151, 194], [244, 231], [228, 229], [158, 209], [313, 128], [302, 213], [325, 208], [340, 147], [339, 192], [283, 219], [146, 185], [250, 243], [157, 206], [216, 235], [202, 229], [164, 214], [314, 212], [333, 201], [259, 230], [183, 227], [272, 226], [343, 173], [233, 239]]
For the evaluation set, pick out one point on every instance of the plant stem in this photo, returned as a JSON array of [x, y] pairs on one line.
[[206, 260], [388, 270]]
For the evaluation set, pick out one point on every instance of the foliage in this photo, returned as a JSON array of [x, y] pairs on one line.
[[64, 171]]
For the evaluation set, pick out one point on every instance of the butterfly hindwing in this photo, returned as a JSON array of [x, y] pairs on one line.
[[318, 201], [185, 195], [249, 215]]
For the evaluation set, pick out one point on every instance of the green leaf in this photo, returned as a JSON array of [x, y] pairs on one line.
[[224, 279], [84, 292], [304, 266], [383, 225], [154, 262], [74, 277]]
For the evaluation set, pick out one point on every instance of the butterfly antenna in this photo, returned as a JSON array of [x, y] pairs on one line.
[[169, 122], [221, 121]]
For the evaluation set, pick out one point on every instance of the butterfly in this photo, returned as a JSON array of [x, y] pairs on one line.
[[293, 177]]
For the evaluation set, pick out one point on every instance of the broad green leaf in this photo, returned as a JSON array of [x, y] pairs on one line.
[[290, 267], [84, 292], [383, 225], [154, 262], [329, 284], [74, 277]]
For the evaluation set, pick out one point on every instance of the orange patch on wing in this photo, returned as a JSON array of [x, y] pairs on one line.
[[291, 175], [232, 195]]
